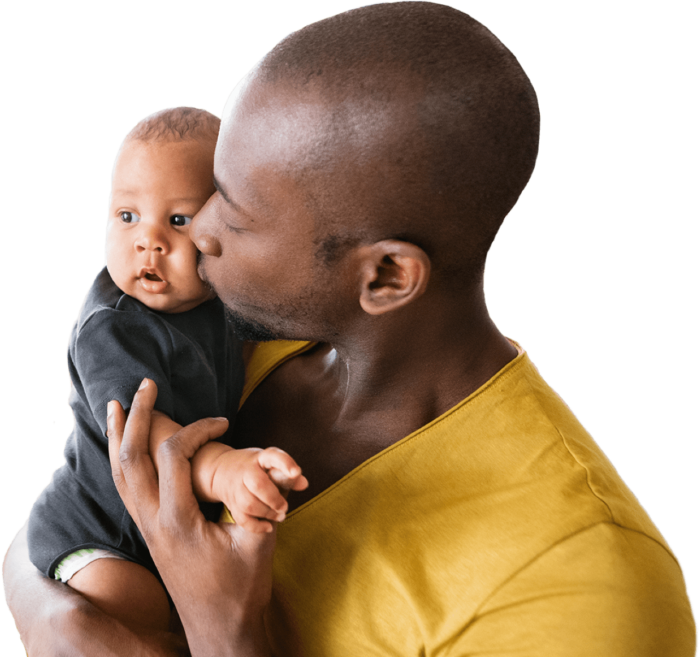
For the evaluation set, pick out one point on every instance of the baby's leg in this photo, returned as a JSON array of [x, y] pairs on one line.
[[125, 591]]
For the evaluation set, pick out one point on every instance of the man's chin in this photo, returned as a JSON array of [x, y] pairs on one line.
[[249, 330]]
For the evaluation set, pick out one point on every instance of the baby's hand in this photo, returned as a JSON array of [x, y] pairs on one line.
[[251, 483]]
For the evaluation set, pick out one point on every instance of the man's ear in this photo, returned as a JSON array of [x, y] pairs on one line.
[[392, 274]]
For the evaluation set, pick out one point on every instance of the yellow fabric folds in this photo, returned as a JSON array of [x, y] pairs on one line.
[[498, 529]]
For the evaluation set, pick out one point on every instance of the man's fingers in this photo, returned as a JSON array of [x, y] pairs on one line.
[[191, 437], [250, 504], [174, 456], [140, 484], [254, 525], [116, 420]]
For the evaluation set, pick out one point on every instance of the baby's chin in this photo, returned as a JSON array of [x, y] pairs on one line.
[[173, 304]]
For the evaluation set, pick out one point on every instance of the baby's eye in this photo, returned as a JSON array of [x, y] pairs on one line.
[[129, 217], [180, 220]]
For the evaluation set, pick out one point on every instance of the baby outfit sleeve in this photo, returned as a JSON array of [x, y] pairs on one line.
[[81, 509], [605, 591], [114, 351]]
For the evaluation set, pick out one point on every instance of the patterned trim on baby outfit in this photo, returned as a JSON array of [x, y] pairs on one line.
[[75, 561]]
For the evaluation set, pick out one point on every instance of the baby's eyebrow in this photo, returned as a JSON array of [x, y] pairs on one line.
[[185, 199], [135, 193]]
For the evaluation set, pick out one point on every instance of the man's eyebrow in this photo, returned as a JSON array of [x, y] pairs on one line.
[[220, 189]]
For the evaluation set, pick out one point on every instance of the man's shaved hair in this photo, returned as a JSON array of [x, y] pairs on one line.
[[177, 124], [465, 124]]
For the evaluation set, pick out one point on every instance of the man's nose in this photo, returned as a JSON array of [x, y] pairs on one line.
[[151, 237], [200, 229]]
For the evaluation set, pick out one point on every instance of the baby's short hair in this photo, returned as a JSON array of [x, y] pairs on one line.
[[177, 124]]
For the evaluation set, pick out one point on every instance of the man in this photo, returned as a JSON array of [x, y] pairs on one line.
[[455, 505]]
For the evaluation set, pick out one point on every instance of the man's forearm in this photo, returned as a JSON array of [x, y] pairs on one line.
[[52, 619], [225, 635], [219, 576]]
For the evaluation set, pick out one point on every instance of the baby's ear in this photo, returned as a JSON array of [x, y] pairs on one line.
[[392, 274]]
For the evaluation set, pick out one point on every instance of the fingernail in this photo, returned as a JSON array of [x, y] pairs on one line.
[[110, 410], [144, 383]]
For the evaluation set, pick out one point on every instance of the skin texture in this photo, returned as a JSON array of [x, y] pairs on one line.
[[157, 187], [380, 306], [297, 252]]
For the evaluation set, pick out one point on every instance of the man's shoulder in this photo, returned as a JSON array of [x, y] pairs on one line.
[[503, 517], [517, 432]]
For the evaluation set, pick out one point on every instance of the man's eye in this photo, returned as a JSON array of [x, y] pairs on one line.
[[180, 220], [129, 217]]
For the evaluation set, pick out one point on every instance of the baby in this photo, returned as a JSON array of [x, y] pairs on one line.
[[148, 314]]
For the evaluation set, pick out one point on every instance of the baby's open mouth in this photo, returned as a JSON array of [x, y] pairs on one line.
[[153, 277]]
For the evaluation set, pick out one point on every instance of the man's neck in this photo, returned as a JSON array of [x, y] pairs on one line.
[[336, 406], [398, 374], [435, 351]]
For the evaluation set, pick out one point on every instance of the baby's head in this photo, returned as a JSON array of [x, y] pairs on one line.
[[162, 176]]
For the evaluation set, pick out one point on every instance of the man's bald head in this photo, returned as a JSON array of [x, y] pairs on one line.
[[429, 133]]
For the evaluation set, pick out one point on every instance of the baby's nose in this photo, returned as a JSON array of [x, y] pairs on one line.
[[151, 238]]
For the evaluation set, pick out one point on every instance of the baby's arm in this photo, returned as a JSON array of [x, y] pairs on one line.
[[247, 481], [252, 483]]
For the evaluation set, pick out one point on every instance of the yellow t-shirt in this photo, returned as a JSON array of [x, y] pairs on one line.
[[498, 529]]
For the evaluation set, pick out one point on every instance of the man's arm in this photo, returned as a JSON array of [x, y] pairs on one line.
[[53, 620], [222, 595]]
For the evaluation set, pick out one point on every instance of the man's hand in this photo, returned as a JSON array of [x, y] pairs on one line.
[[220, 577], [249, 481]]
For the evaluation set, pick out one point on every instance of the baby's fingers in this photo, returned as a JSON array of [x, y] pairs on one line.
[[282, 481], [272, 457], [253, 524], [247, 504], [258, 485]]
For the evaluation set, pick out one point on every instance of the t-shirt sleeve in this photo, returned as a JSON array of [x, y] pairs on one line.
[[606, 591], [114, 351]]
